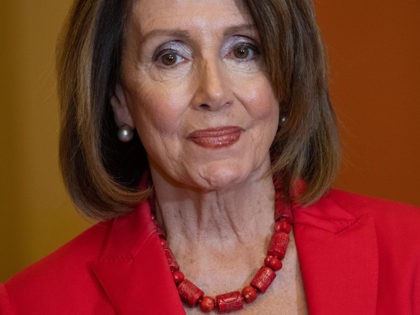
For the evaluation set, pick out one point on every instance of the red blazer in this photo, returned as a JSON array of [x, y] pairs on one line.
[[358, 256]]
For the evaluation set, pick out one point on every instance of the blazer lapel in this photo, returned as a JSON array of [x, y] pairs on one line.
[[133, 270], [337, 253], [338, 257]]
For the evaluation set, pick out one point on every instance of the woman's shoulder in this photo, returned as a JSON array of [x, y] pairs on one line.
[[73, 254], [345, 208], [397, 225], [66, 271], [395, 251], [382, 210]]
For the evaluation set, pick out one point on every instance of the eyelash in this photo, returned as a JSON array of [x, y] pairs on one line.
[[159, 56], [249, 47], [175, 48]]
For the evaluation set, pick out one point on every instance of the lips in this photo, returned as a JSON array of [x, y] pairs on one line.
[[214, 138]]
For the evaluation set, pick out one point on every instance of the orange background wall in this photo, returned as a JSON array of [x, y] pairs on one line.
[[374, 49], [374, 52]]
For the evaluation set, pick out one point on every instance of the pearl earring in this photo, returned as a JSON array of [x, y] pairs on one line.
[[283, 120], [125, 133]]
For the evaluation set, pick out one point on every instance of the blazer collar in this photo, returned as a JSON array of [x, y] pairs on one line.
[[133, 270], [337, 252], [338, 257]]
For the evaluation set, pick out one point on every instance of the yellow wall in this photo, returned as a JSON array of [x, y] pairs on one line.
[[35, 213], [375, 55]]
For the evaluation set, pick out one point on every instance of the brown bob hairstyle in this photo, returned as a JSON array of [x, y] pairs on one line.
[[103, 174]]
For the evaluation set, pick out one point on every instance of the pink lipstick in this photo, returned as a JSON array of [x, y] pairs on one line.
[[214, 138]]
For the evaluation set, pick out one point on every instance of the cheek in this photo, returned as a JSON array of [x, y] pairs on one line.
[[154, 110], [260, 100]]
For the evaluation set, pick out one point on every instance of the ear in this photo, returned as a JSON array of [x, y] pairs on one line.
[[122, 115]]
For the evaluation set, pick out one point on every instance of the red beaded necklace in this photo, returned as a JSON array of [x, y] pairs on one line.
[[233, 301]]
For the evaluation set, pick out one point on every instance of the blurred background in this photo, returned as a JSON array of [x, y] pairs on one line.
[[374, 53]]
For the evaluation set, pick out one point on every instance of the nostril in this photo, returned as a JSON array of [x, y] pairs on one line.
[[205, 106]]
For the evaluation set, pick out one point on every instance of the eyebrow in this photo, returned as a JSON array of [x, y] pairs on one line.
[[180, 33], [162, 32], [239, 28]]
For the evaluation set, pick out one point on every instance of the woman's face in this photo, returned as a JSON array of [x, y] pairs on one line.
[[193, 85]]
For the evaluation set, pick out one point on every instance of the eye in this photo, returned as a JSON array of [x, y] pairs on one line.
[[168, 57], [245, 51]]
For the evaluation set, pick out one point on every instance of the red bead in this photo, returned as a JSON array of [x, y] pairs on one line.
[[278, 245], [273, 263], [161, 232], [263, 279], [249, 294], [178, 276], [282, 226], [283, 210], [173, 265], [189, 292], [207, 304], [228, 302]]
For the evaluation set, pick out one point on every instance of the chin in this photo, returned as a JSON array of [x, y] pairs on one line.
[[219, 178]]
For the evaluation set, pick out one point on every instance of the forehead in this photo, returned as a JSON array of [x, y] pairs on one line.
[[147, 15]]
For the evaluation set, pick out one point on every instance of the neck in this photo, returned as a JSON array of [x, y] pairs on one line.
[[227, 230], [220, 218], [218, 237]]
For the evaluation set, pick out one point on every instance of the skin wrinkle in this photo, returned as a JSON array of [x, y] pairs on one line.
[[216, 204], [204, 215], [106, 187]]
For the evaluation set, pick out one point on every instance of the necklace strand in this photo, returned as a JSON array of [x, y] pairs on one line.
[[233, 301]]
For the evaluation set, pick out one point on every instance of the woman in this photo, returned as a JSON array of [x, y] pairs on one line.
[[201, 133]]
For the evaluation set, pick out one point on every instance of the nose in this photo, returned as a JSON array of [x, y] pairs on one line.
[[213, 87]]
